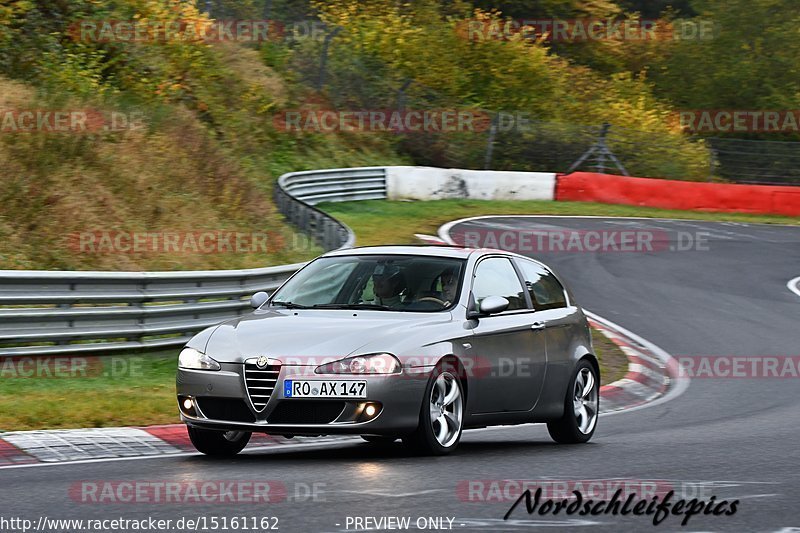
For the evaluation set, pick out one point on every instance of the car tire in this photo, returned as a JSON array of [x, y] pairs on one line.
[[581, 407], [378, 439], [444, 396], [218, 443]]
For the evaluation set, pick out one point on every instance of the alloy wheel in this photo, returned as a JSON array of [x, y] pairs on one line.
[[585, 401], [446, 409]]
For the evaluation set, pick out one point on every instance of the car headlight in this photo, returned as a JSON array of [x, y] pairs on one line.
[[377, 363], [194, 360]]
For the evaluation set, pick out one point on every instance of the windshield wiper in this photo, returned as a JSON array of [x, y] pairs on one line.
[[353, 306], [289, 305]]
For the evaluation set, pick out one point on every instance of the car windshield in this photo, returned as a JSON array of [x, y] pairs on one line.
[[379, 282]]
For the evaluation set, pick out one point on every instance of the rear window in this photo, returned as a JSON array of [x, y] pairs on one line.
[[545, 290]]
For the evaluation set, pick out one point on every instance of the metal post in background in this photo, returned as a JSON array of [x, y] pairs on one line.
[[323, 60], [600, 151], [487, 162], [711, 163], [401, 94]]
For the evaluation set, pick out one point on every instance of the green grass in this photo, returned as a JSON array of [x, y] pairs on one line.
[[613, 361], [115, 390], [383, 222]]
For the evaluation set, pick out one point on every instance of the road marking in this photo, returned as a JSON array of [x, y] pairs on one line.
[[445, 229], [794, 285]]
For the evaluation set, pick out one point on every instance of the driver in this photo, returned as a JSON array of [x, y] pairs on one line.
[[449, 285], [448, 281], [389, 283]]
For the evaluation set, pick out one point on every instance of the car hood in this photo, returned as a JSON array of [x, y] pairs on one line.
[[307, 337]]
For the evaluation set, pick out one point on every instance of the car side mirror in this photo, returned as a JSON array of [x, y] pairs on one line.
[[490, 305], [258, 299]]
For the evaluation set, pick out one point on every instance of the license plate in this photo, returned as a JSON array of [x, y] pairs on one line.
[[293, 388]]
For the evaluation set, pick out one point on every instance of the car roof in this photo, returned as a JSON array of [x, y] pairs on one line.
[[428, 250], [423, 250]]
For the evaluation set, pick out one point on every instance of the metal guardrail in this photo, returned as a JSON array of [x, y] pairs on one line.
[[298, 192], [63, 312]]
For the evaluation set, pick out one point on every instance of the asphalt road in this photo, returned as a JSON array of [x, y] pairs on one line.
[[730, 438]]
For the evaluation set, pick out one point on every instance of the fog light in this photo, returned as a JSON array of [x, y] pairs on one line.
[[368, 411], [187, 406]]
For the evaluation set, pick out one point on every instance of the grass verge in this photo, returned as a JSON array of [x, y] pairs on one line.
[[103, 391], [613, 361]]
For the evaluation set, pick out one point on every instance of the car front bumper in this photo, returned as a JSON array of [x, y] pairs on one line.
[[220, 400]]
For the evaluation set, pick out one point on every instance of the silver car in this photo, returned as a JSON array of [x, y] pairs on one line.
[[396, 342]]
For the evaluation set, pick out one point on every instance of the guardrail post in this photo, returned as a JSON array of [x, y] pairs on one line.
[[323, 60], [712, 159], [487, 163]]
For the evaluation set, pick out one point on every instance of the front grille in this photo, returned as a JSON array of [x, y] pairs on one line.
[[260, 383], [306, 412], [225, 409]]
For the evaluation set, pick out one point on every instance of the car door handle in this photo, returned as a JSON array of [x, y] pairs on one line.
[[538, 325]]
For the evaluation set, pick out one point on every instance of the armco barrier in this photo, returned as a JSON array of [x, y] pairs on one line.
[[298, 192], [669, 194], [46, 313]]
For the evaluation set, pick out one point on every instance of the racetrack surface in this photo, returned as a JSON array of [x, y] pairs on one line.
[[733, 438]]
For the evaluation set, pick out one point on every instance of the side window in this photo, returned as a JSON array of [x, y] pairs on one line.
[[545, 290], [496, 277]]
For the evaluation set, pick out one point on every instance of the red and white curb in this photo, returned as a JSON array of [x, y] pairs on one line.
[[30, 448], [652, 377]]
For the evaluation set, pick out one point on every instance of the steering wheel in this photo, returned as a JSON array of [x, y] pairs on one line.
[[432, 299]]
